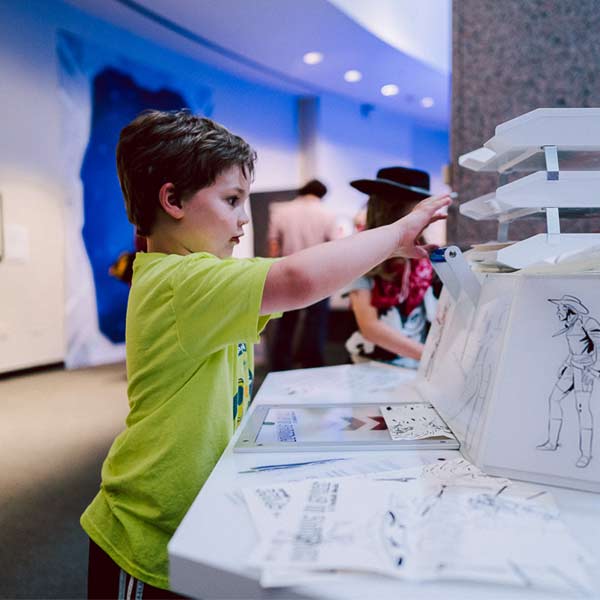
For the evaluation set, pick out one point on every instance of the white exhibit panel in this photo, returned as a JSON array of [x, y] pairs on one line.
[[465, 413], [540, 419], [531, 362], [519, 371], [441, 377]]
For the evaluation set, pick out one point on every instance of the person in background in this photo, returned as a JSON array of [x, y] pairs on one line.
[[193, 316], [393, 303], [294, 226]]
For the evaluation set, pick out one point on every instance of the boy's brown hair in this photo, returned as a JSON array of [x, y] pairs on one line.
[[175, 147]]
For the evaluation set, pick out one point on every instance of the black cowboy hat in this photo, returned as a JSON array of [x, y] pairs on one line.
[[402, 182]]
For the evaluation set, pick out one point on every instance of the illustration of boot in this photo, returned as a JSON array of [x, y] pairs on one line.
[[586, 437], [554, 427]]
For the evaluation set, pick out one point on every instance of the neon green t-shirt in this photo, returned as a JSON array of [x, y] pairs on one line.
[[191, 325]]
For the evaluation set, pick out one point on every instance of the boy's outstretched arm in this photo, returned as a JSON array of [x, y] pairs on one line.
[[315, 273]]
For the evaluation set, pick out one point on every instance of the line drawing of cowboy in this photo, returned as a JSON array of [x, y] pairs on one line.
[[576, 374]]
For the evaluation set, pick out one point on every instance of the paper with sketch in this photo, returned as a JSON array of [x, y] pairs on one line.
[[459, 471], [430, 528], [414, 421], [269, 504]]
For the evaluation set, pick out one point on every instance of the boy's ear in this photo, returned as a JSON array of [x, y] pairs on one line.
[[169, 201]]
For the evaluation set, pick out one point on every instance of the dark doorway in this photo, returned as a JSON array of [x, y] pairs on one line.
[[259, 204]]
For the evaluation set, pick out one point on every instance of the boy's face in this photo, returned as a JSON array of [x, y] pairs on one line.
[[215, 215]]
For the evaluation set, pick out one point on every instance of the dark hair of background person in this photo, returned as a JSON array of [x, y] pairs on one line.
[[175, 147], [313, 188], [383, 210]]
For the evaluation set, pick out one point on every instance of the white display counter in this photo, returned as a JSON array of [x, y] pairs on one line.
[[209, 551]]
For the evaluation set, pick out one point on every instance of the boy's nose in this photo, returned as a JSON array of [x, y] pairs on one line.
[[244, 218]]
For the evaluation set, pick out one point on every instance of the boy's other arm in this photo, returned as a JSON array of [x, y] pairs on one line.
[[317, 272], [377, 331]]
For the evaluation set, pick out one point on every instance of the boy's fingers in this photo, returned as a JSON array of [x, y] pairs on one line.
[[437, 202], [438, 218], [445, 197], [420, 252], [414, 251]]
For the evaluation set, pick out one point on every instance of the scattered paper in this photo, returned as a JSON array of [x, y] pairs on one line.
[[414, 421], [448, 522]]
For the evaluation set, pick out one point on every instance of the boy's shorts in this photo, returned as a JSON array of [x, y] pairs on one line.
[[107, 580]]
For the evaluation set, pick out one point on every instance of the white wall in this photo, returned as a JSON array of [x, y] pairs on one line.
[[31, 283], [351, 146]]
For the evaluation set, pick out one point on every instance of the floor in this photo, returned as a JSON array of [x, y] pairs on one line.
[[56, 427]]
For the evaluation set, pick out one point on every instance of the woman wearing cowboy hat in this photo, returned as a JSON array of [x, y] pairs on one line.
[[394, 302]]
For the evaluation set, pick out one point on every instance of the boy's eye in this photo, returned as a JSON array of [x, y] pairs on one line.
[[232, 200]]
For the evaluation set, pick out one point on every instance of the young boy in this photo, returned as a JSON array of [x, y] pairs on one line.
[[193, 315]]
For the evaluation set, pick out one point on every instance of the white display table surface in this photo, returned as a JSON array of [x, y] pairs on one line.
[[209, 550]]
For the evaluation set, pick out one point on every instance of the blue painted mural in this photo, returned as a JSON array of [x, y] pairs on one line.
[[117, 99]]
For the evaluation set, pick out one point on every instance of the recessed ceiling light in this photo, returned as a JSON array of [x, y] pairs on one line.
[[312, 58], [390, 89], [427, 102], [352, 76]]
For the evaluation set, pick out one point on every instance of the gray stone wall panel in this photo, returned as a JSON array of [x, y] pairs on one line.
[[510, 57]]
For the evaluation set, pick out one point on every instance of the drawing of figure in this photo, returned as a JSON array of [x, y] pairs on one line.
[[438, 332], [478, 375], [576, 374]]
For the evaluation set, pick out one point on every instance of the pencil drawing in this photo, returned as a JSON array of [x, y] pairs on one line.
[[478, 378], [576, 375], [437, 333]]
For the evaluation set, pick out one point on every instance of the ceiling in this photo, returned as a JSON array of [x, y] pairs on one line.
[[264, 41]]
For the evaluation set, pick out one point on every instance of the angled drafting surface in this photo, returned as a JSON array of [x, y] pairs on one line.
[[480, 361], [441, 377], [547, 385], [461, 390], [461, 355], [436, 335]]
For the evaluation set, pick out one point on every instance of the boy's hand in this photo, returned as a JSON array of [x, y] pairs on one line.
[[412, 225]]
